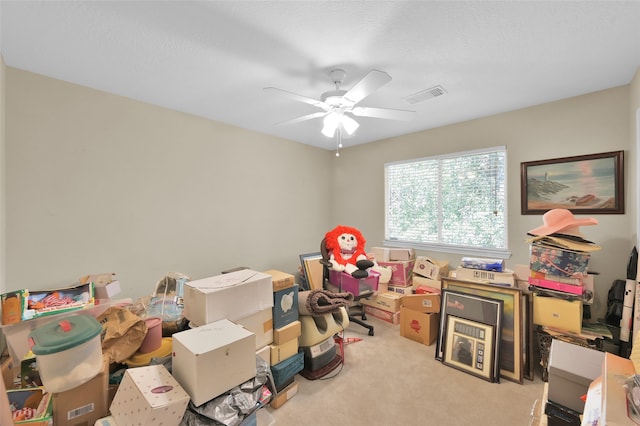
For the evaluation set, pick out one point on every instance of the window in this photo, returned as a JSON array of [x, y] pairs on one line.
[[452, 203]]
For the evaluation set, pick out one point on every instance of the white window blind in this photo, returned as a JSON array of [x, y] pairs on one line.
[[451, 203]]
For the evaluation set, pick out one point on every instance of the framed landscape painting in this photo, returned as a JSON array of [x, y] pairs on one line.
[[585, 184]]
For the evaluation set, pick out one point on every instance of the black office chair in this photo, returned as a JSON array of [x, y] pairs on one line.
[[357, 313]]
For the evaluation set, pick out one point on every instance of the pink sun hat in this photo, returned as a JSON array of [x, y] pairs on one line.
[[562, 221]]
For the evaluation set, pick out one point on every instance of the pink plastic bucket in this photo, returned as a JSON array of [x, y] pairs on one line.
[[153, 339]]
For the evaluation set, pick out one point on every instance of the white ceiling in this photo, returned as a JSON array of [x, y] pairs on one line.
[[213, 58]]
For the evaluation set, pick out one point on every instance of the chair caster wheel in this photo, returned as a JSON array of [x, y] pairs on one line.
[[370, 332]]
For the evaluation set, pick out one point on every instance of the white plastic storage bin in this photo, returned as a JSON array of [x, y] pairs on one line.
[[68, 352]]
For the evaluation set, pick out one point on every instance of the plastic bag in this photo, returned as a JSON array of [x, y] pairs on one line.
[[167, 301]]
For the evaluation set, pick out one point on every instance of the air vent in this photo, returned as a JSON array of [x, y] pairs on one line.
[[425, 94]]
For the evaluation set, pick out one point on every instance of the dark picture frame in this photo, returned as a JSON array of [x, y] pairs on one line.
[[528, 333], [469, 346], [475, 308], [513, 350], [583, 184]]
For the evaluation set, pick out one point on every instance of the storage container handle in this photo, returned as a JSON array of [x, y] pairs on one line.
[[65, 325]]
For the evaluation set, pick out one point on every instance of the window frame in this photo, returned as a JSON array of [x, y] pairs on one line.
[[499, 253]]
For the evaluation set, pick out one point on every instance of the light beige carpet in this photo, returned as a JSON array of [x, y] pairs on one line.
[[390, 380]]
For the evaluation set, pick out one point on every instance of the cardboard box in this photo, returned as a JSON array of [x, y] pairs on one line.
[[24, 305], [426, 303], [386, 254], [265, 354], [506, 278], [388, 316], [419, 280], [290, 331], [557, 313], [13, 306], [232, 296], [355, 286], [84, 404], [285, 306], [614, 402], [431, 268], [572, 368], [10, 373], [401, 289], [419, 326], [283, 351], [557, 261], [280, 280], [260, 324], [67, 299], [400, 272], [419, 317], [521, 275], [107, 290], [35, 405], [149, 396], [213, 358], [285, 395], [389, 301]]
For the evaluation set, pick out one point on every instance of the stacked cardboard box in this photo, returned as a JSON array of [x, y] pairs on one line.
[[384, 306], [559, 278], [419, 317], [427, 274], [400, 261], [232, 315], [284, 352]]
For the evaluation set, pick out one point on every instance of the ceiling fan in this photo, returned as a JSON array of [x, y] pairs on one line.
[[337, 105]]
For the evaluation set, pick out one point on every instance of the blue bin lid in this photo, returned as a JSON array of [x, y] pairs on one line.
[[63, 334]]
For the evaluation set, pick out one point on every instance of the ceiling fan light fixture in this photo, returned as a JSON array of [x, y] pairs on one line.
[[331, 122], [349, 124]]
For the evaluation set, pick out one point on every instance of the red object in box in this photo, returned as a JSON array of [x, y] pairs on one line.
[[423, 289], [355, 286]]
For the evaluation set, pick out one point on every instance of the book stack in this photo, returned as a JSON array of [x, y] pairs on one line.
[[558, 275], [559, 266]]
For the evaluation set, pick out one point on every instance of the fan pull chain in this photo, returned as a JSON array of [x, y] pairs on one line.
[[338, 141]]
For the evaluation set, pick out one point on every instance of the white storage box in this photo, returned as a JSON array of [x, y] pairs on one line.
[[68, 352], [149, 396], [572, 368], [211, 359], [260, 324], [232, 296]]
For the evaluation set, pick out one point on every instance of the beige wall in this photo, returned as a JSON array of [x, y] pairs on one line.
[[97, 182], [597, 122], [100, 183], [634, 164], [2, 144]]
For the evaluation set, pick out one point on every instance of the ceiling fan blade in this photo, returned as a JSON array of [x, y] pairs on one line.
[[391, 114], [299, 98], [367, 85], [303, 118]]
